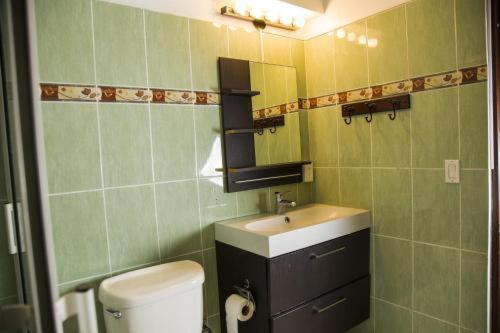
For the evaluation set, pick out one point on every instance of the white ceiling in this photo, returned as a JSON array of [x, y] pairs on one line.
[[331, 13]]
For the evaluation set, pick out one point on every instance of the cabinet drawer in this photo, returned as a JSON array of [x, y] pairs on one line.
[[334, 312], [300, 276]]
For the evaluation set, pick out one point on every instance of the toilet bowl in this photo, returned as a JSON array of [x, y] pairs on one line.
[[160, 299]]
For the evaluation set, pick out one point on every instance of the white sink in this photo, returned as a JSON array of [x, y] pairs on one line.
[[270, 235]]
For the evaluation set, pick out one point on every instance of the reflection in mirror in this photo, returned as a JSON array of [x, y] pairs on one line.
[[278, 97]]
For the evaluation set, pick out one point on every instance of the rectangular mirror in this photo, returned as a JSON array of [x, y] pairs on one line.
[[278, 98]]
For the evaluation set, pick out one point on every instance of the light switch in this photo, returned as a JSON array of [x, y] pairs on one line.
[[307, 173], [452, 171]]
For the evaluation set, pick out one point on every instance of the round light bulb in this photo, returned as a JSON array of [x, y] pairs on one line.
[[351, 36], [341, 33], [372, 42], [256, 13], [240, 8], [272, 16], [299, 22], [286, 20], [362, 39]]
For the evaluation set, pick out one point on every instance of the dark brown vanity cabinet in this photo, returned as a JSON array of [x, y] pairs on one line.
[[323, 288]]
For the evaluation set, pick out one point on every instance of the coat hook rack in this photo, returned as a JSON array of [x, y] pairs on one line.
[[368, 108]]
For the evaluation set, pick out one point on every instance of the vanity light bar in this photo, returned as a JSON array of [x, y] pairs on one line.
[[259, 23]]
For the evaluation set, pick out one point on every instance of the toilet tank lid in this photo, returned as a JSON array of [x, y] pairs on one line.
[[152, 284]]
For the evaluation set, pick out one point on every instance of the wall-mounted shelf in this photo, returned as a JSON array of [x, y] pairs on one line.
[[239, 127], [389, 104]]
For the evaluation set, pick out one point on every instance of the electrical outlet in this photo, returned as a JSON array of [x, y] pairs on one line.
[[452, 171]]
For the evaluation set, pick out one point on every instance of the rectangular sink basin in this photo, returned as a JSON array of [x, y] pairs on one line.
[[270, 235]]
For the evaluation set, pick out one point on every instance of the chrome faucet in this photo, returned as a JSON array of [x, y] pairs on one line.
[[281, 202]]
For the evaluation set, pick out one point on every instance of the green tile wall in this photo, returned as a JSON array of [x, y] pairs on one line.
[[136, 185], [429, 238]]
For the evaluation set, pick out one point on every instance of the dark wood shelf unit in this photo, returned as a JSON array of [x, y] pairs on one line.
[[239, 127]]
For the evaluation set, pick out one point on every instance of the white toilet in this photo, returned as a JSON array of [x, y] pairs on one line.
[[166, 298]]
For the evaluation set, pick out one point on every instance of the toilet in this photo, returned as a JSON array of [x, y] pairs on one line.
[[160, 299]]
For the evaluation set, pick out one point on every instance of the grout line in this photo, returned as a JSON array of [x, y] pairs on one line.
[[151, 147], [87, 278], [134, 267], [205, 298], [99, 140]]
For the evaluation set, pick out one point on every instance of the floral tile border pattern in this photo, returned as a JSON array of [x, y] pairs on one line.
[[110, 94], [443, 80]]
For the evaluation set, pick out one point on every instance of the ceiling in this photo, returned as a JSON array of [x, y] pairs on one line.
[[329, 14]]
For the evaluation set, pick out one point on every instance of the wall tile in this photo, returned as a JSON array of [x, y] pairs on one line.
[[279, 143], [391, 140], [292, 121], [253, 202], [326, 186], [79, 230], [356, 188], [212, 290], [244, 45], [391, 319], [424, 324], [323, 136], [8, 285], [276, 49], [430, 20], [434, 127], [393, 270], [351, 54], [392, 198], [320, 73], [215, 206], [435, 208], [261, 148], [168, 53], [305, 193], [275, 85], [214, 324], [389, 59], [471, 30], [354, 142], [257, 83], [126, 157], [207, 44], [474, 291], [208, 141], [474, 214], [304, 135], [120, 58], [173, 124], [474, 125], [178, 218], [437, 279], [291, 84], [298, 61], [57, 21], [132, 226], [72, 146]]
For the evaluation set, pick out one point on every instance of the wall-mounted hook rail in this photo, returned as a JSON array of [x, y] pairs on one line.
[[272, 123], [394, 103]]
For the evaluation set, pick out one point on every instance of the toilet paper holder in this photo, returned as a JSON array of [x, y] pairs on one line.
[[246, 293]]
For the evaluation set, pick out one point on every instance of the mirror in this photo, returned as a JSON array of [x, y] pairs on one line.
[[278, 98]]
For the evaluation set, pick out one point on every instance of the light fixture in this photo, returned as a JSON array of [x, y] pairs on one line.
[[341, 33], [372, 42], [351, 36], [268, 13], [216, 24], [362, 39], [299, 22]]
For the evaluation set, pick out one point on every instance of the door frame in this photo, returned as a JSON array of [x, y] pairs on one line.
[[494, 104]]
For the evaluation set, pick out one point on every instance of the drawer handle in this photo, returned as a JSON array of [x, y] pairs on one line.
[[319, 256], [328, 307]]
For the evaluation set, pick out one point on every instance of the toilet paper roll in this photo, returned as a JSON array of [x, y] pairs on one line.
[[237, 308]]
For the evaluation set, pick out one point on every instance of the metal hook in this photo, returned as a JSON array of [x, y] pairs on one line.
[[260, 131], [394, 103], [349, 110], [371, 106], [272, 130]]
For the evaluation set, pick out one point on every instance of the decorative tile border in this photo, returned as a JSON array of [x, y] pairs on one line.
[[111, 94], [453, 78]]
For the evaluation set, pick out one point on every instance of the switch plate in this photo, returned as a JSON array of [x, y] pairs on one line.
[[307, 173], [452, 171]]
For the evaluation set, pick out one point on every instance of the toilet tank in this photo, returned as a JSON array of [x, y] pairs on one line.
[[158, 299]]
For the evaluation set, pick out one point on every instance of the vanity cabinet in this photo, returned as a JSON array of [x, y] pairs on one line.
[[324, 288]]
